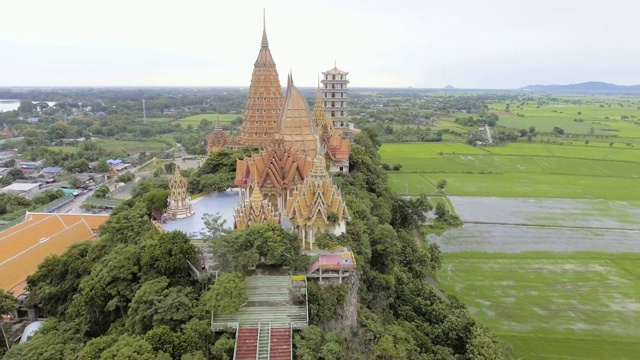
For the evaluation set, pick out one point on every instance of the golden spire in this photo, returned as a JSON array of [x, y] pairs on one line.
[[265, 42], [319, 170], [318, 112], [256, 195]]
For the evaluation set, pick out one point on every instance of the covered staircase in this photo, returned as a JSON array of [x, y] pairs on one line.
[[266, 322]]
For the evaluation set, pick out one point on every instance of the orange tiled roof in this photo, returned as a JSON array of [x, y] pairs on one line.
[[276, 167], [255, 210], [24, 246], [93, 220]]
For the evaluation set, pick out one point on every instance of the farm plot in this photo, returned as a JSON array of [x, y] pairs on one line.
[[549, 212], [195, 120], [518, 238], [519, 185], [552, 306]]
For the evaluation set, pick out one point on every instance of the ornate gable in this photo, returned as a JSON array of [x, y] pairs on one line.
[[316, 197]]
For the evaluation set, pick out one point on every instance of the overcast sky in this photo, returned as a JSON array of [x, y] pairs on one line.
[[382, 43]]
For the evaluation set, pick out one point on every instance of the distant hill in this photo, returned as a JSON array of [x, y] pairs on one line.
[[591, 86], [449, 87]]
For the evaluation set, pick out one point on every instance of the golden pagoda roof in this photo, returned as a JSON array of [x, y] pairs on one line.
[[264, 101], [218, 139], [296, 123], [320, 116], [177, 180], [316, 197], [255, 210]]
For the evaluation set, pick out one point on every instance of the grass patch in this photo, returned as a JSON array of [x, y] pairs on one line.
[[516, 170], [552, 305], [132, 146], [195, 120]]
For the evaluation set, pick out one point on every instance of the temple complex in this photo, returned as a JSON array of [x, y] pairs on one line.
[[316, 206], [179, 200]]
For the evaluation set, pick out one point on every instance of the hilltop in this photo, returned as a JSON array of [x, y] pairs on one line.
[[590, 86]]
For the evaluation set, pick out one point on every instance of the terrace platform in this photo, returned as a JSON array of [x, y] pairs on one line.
[[264, 325]]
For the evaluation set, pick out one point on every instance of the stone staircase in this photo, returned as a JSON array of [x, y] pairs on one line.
[[265, 323]]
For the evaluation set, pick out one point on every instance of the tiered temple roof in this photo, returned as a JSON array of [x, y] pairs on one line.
[[315, 198], [264, 102], [337, 146], [218, 139], [255, 210], [276, 168], [296, 124]]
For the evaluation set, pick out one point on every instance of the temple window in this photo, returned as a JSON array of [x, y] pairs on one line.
[[333, 86], [333, 95], [333, 113], [333, 77], [341, 113], [333, 104], [258, 111]]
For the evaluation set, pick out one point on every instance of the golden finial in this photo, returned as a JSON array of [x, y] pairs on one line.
[[319, 169], [256, 195]]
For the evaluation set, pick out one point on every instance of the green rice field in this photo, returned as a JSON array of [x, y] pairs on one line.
[[516, 170], [551, 305], [195, 120], [132, 146]]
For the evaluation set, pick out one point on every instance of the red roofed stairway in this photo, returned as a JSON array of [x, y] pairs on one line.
[[280, 344], [246, 343]]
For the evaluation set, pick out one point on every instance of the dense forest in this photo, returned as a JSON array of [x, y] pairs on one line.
[[131, 295]]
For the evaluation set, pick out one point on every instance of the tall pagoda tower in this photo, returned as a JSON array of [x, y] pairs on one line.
[[335, 94], [265, 99]]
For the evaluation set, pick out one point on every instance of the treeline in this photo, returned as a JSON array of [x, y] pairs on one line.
[[11, 203]]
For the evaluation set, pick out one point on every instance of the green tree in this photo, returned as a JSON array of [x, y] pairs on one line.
[[169, 254], [56, 281], [133, 348], [169, 167], [441, 210], [156, 200], [157, 304], [7, 305], [442, 183], [227, 294], [244, 248], [101, 192]]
